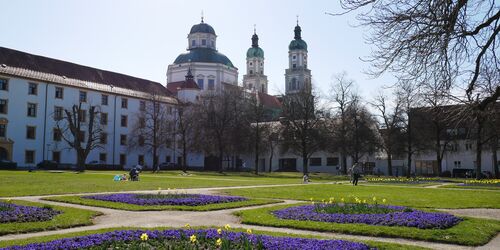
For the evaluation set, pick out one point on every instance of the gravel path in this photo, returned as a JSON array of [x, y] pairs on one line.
[[119, 218]]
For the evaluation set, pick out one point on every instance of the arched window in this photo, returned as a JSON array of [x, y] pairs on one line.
[[294, 84]]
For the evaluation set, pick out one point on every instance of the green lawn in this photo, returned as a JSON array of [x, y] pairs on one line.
[[471, 231], [485, 187], [378, 245], [22, 183], [395, 195], [70, 217], [133, 207]]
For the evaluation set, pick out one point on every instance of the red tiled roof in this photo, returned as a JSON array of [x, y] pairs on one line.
[[269, 100], [23, 60], [189, 84]]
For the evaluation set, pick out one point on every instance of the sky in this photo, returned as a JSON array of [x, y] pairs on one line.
[[141, 38]]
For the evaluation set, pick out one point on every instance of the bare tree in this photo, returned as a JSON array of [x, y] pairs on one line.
[[150, 130], [391, 122], [81, 131], [185, 125], [303, 126], [425, 40], [256, 114], [342, 89]]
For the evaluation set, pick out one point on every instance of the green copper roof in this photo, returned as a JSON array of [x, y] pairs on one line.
[[297, 44], [202, 28], [203, 55], [255, 52]]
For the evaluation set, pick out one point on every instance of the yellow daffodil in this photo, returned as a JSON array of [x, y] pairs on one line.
[[219, 231], [383, 200], [249, 231], [374, 198], [218, 242], [144, 237], [192, 238], [364, 201], [342, 199], [187, 225], [227, 227], [311, 199], [9, 200]]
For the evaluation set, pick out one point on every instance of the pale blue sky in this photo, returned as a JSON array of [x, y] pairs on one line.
[[140, 38]]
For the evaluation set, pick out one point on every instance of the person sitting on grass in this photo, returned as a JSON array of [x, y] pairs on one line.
[[124, 177]]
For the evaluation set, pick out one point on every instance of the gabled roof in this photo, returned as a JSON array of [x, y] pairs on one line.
[[269, 101], [22, 60], [173, 87]]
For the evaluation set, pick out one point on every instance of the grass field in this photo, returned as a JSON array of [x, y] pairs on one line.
[[378, 245], [472, 232], [133, 207], [395, 195], [23, 183], [70, 217]]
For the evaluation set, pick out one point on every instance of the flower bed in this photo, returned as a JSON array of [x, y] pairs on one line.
[[10, 212], [166, 199], [390, 216], [403, 180], [484, 182], [189, 239]]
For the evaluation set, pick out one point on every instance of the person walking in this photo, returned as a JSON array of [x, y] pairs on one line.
[[355, 172]]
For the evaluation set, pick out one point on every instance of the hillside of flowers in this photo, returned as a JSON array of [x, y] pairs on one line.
[[190, 239], [372, 214], [10, 212], [173, 199]]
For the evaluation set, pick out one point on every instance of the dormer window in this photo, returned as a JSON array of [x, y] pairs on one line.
[[294, 57], [193, 43], [203, 42]]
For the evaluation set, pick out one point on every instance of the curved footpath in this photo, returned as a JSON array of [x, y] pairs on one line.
[[218, 218]]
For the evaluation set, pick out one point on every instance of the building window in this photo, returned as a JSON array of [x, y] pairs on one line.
[[124, 103], [82, 115], [58, 113], [123, 159], [3, 130], [193, 42], [294, 65], [56, 134], [200, 83], [211, 84], [457, 164], [142, 105], [468, 146], [102, 157], [104, 118], [332, 161], [59, 93], [31, 109], [29, 156], [4, 84], [315, 161], [3, 106], [103, 138], [141, 140], [83, 96], [56, 156], [203, 42], [142, 122], [251, 63], [294, 57], [140, 160], [30, 132], [81, 136], [104, 100], [167, 159], [170, 110], [32, 88], [123, 140], [123, 121], [251, 72]]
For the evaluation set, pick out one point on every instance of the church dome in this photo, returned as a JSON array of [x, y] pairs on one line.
[[297, 44], [255, 52], [202, 28], [206, 55]]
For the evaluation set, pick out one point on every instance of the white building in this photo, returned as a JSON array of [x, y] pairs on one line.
[[34, 89]]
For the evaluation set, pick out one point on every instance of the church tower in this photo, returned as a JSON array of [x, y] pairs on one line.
[[255, 79], [297, 76]]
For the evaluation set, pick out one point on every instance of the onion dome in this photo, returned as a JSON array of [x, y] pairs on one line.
[[255, 50], [206, 55], [297, 43], [202, 28]]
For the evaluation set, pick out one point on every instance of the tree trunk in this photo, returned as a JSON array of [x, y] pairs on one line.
[[479, 150], [80, 161], [271, 159], [304, 164], [344, 162], [184, 156], [257, 149], [389, 163], [439, 158], [495, 158]]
